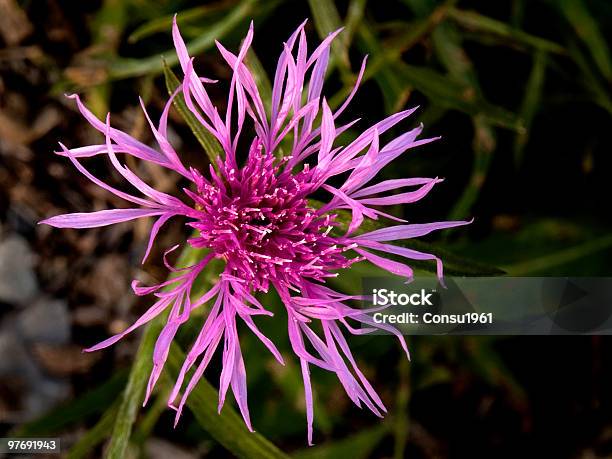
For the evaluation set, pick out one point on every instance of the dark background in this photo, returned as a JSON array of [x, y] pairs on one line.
[[520, 93]]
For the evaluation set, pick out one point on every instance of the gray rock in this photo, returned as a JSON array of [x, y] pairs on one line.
[[17, 279], [36, 392], [45, 321], [45, 394], [16, 358]]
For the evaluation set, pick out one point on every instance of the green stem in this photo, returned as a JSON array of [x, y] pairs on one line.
[[133, 393], [402, 420], [95, 435]]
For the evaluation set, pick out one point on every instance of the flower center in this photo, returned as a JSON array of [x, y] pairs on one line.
[[259, 221]]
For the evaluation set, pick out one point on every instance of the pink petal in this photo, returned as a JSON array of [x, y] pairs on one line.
[[99, 218]]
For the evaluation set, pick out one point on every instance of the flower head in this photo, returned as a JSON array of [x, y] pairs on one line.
[[256, 213]]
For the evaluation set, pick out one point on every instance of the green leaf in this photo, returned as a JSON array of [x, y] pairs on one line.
[[474, 21], [394, 88], [209, 142], [484, 147], [96, 435], [358, 446], [327, 20], [592, 83], [133, 394], [431, 16], [147, 424], [227, 427], [449, 49], [127, 68], [440, 89], [586, 27], [450, 93], [401, 421], [354, 15], [561, 257], [531, 102], [163, 24]]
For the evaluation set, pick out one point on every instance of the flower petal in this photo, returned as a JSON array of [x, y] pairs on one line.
[[99, 218]]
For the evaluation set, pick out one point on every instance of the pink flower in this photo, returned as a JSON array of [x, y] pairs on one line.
[[257, 217]]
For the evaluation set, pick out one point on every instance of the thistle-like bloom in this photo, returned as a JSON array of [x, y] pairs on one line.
[[255, 214]]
